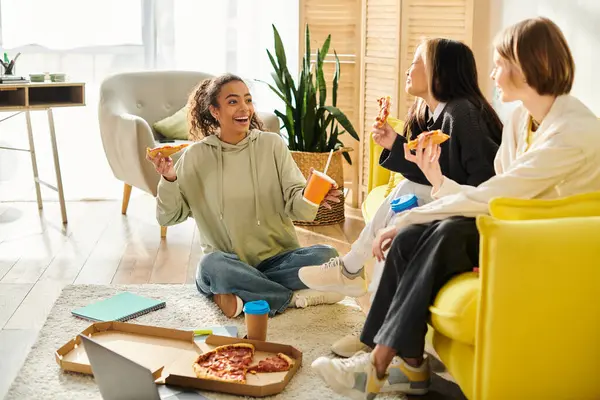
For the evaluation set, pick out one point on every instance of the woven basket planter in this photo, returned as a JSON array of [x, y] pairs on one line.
[[336, 171]]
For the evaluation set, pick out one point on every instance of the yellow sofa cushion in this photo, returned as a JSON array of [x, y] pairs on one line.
[[395, 178], [372, 202], [582, 205], [454, 310]]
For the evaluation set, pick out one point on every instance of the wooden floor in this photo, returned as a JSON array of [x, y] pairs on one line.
[[38, 257]]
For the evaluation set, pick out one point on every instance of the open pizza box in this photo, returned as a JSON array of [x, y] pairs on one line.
[[150, 346], [170, 355]]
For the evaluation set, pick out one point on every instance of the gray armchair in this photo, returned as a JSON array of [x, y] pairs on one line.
[[130, 103]]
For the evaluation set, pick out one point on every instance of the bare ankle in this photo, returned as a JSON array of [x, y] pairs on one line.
[[414, 362], [382, 357]]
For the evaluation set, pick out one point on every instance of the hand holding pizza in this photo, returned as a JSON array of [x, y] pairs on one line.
[[384, 136], [163, 165], [427, 156]]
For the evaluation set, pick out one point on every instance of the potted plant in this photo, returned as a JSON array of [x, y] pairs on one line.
[[312, 124]]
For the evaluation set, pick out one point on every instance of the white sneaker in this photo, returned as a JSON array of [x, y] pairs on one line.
[[308, 297], [348, 346], [333, 277], [354, 377]]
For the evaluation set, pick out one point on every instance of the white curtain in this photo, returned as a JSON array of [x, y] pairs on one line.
[[89, 40], [232, 36], [68, 24]]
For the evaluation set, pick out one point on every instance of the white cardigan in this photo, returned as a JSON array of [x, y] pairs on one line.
[[563, 160]]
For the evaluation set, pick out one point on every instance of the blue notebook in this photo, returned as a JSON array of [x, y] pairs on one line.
[[120, 307]]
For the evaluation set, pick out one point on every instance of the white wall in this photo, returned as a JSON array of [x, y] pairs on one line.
[[580, 22]]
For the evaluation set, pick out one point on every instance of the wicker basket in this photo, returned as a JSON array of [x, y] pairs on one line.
[[336, 171]]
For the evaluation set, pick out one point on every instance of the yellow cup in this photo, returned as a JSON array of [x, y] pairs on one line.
[[317, 188]]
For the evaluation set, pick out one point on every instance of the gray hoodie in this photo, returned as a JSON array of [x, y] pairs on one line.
[[243, 196]]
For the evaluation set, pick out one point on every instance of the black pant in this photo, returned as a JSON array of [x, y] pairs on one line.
[[422, 258]]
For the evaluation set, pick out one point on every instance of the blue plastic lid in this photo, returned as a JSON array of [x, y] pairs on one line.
[[258, 307], [404, 202]]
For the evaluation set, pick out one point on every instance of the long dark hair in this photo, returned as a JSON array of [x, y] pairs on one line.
[[452, 74], [200, 119]]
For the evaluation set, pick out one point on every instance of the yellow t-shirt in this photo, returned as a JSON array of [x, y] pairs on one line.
[[530, 133]]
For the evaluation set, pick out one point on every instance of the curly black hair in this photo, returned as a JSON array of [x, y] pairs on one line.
[[201, 121]]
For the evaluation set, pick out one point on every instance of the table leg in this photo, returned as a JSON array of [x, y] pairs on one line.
[[33, 160], [59, 185]]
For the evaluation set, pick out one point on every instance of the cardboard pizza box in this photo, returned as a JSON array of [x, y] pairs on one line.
[[181, 372], [150, 346], [170, 355]]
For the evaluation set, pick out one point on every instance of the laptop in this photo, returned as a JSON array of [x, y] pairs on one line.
[[119, 378]]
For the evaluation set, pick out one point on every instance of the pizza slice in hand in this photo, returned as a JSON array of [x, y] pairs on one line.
[[166, 151], [278, 363], [437, 136], [385, 103]]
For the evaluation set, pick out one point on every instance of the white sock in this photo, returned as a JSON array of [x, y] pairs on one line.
[[353, 262]]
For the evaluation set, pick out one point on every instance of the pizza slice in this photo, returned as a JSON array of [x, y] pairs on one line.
[[385, 103], [437, 136], [166, 151], [227, 363], [278, 363]]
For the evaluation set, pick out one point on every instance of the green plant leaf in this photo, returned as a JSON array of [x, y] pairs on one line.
[[279, 49], [276, 91], [325, 122], [321, 84], [284, 73], [333, 136], [319, 130], [283, 89], [309, 121], [307, 54], [288, 127], [336, 80], [289, 82], [299, 109], [273, 63], [346, 155], [325, 49], [343, 120]]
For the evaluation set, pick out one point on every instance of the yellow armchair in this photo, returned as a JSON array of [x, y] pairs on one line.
[[538, 324], [379, 177], [528, 326]]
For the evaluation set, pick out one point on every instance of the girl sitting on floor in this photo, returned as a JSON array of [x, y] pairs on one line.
[[243, 189]]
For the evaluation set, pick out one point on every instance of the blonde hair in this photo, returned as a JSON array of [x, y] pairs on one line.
[[539, 49]]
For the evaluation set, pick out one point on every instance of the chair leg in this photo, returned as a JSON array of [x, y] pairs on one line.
[[163, 232], [126, 196]]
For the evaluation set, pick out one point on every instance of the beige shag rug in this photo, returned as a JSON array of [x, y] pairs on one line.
[[312, 330]]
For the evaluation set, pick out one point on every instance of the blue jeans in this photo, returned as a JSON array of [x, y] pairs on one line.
[[274, 279]]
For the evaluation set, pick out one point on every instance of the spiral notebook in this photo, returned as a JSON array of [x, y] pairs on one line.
[[120, 307]]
